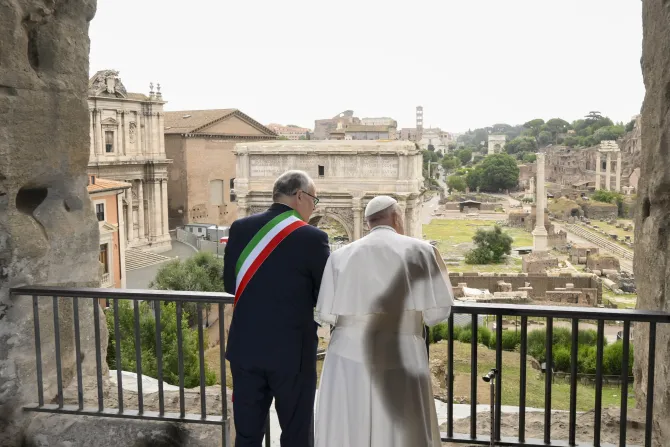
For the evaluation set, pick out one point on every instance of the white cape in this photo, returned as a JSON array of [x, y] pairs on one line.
[[375, 386]]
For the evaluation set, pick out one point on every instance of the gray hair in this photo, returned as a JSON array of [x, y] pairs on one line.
[[386, 213], [290, 182]]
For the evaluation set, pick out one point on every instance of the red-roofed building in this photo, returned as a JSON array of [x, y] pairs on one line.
[[107, 199]]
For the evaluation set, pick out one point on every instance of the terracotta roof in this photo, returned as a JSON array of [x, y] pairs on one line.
[[102, 184], [190, 121]]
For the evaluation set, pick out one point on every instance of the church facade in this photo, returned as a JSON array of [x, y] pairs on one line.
[[127, 145]]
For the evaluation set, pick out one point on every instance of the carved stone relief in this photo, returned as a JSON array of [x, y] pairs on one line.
[[132, 130]]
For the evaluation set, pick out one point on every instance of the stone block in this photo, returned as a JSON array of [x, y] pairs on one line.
[[602, 262], [536, 263]]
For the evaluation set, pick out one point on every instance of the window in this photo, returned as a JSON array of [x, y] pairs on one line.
[[216, 192], [104, 259], [100, 211], [199, 230], [109, 141], [322, 171]]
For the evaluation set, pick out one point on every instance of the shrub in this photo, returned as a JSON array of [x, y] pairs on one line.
[[588, 337], [491, 246], [586, 360], [613, 359], [562, 359], [510, 340], [484, 335], [439, 332], [465, 336], [536, 344], [492, 341], [562, 337]]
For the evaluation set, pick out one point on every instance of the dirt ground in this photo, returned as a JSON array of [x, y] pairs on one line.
[[559, 427]]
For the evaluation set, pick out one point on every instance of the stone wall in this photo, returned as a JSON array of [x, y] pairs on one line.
[[652, 220], [48, 231], [541, 283], [599, 210]]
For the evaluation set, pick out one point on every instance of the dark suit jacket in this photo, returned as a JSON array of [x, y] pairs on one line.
[[273, 324]]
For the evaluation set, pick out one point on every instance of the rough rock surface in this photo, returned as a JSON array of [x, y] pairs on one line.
[[48, 233], [652, 220]]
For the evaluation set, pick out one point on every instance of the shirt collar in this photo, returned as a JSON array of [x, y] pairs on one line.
[[383, 227]]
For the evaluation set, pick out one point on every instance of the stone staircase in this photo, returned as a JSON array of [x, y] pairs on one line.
[[601, 242], [137, 259]]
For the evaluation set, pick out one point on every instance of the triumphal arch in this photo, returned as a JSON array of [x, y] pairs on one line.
[[348, 174]]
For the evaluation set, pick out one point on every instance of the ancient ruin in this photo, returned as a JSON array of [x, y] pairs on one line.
[[652, 221], [496, 144], [48, 232], [540, 260], [348, 174]]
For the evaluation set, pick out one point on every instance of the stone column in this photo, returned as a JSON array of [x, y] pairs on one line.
[[118, 135], [540, 234], [130, 216], [125, 115], [358, 218], [158, 213], [139, 148], [155, 144], [164, 206], [608, 172], [122, 239], [159, 131], [91, 131], [140, 209], [618, 172], [598, 170], [242, 207], [100, 147]]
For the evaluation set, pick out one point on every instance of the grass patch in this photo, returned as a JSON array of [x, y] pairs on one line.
[[511, 265], [511, 378]]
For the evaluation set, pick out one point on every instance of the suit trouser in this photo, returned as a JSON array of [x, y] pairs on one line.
[[294, 402]]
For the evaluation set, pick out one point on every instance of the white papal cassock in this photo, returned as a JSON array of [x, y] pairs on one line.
[[375, 386]]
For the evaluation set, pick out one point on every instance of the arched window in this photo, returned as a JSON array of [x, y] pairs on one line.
[[216, 192]]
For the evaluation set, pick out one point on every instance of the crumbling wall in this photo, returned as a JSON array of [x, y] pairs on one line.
[[541, 283], [48, 231], [652, 219]]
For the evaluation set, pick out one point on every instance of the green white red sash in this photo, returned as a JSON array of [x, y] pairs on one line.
[[260, 247]]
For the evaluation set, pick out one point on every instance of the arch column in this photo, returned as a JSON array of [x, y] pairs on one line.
[[242, 207], [358, 218], [598, 170], [608, 172]]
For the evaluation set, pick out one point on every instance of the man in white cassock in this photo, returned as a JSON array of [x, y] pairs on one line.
[[377, 292]]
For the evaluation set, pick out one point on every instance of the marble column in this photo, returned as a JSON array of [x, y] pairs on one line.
[[125, 115], [130, 216], [147, 133], [139, 148], [540, 234], [608, 172], [618, 172], [91, 131], [122, 239], [100, 146], [118, 134], [164, 206], [140, 208], [158, 214], [242, 208], [598, 170], [358, 217], [155, 145]]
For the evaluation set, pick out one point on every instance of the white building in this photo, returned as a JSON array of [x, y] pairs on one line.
[[127, 145]]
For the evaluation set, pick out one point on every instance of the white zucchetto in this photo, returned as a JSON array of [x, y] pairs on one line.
[[378, 204]]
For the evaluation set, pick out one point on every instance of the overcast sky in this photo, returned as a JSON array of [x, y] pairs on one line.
[[470, 63]]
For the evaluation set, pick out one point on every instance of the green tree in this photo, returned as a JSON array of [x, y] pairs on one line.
[[545, 138], [557, 125], [534, 126], [147, 332], [630, 126], [200, 273], [491, 246], [521, 144], [608, 133], [456, 183], [495, 172], [571, 141], [449, 163], [529, 157], [464, 155]]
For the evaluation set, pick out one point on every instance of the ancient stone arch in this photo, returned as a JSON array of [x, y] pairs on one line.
[[347, 174]]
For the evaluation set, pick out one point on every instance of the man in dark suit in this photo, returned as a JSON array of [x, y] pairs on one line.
[[273, 263]]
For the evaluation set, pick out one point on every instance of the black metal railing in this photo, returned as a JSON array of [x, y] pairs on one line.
[[114, 296], [549, 313]]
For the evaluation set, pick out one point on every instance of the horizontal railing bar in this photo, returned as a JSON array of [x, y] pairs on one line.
[[126, 294], [460, 438], [127, 414], [583, 313]]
